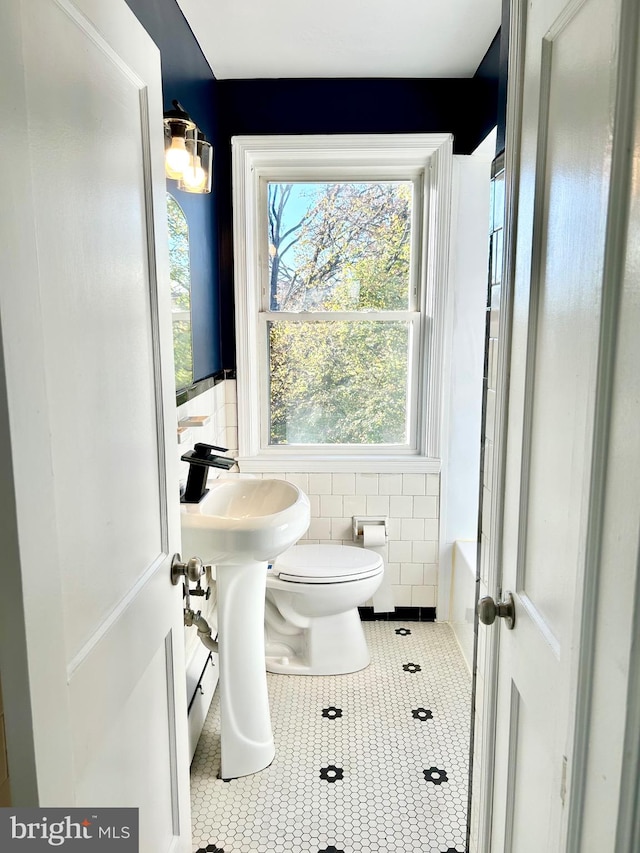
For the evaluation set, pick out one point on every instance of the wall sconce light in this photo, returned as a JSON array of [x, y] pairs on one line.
[[188, 157]]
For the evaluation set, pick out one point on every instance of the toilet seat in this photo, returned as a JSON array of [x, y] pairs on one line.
[[326, 564]]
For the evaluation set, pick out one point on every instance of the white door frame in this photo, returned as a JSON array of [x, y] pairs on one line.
[[598, 642], [595, 641], [484, 742]]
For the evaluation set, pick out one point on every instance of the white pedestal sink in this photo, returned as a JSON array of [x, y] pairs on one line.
[[240, 526]]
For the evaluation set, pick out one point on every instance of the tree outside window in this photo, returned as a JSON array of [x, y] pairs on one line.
[[340, 293], [180, 275]]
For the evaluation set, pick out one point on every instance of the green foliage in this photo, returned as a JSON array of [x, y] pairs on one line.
[[182, 354], [179, 265], [180, 275], [340, 382]]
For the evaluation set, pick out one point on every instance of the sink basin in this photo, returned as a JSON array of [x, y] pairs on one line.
[[242, 521]]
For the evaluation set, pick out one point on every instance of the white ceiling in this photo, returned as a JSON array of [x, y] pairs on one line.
[[343, 38]]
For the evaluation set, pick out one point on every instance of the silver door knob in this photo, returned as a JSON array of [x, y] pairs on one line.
[[191, 569], [505, 609]]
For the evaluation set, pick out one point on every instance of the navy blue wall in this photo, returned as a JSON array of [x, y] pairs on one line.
[[503, 69], [464, 107], [494, 67], [489, 68], [187, 77]]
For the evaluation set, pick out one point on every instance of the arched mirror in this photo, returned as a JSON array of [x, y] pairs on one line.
[[180, 273]]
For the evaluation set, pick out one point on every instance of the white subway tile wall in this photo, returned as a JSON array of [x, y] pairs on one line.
[[222, 428], [409, 501]]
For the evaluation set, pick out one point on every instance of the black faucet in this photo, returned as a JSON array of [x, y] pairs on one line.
[[200, 459]]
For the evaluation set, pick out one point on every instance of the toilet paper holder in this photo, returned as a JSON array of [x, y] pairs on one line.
[[360, 520]]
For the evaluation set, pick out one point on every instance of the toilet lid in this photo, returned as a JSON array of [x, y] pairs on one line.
[[327, 564]]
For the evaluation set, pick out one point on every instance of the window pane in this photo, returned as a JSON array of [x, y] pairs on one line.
[[338, 382], [339, 246], [182, 353], [180, 277]]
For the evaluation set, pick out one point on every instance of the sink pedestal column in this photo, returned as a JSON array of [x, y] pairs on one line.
[[245, 723]]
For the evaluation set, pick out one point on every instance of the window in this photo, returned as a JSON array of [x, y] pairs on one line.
[[339, 300], [180, 275], [340, 313]]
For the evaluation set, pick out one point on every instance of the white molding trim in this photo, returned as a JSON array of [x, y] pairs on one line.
[[428, 156], [246, 309], [328, 464], [437, 225], [445, 548], [485, 740], [628, 828], [614, 284]]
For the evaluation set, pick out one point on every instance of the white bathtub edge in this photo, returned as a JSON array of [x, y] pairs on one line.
[[463, 592]]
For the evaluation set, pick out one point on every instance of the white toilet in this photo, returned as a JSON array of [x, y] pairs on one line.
[[312, 624]]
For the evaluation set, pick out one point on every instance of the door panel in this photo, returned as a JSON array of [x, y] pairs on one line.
[[143, 747], [530, 767], [565, 166], [567, 265], [97, 716], [101, 683], [97, 329]]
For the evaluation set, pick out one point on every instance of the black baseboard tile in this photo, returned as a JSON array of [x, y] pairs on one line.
[[400, 614]]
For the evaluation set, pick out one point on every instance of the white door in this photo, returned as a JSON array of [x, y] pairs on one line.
[[566, 241], [92, 637]]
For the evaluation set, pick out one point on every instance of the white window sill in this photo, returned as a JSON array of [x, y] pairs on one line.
[[312, 464]]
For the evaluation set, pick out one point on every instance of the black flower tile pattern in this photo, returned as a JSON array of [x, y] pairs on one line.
[[210, 848], [412, 667], [422, 714], [451, 850], [331, 773], [383, 802], [331, 713], [330, 849], [403, 632], [435, 775]]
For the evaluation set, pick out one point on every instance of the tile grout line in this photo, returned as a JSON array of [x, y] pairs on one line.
[[374, 777]]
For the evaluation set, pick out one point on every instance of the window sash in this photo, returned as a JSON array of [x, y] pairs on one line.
[[413, 316], [418, 330], [338, 316], [319, 175]]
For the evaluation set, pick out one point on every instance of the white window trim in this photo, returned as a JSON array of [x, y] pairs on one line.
[[359, 156]]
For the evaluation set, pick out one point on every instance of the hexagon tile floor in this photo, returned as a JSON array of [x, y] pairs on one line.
[[372, 762]]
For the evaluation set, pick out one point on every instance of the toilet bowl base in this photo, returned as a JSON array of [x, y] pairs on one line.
[[331, 645]]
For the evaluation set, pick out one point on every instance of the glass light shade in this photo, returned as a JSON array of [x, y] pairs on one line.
[[196, 178]]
